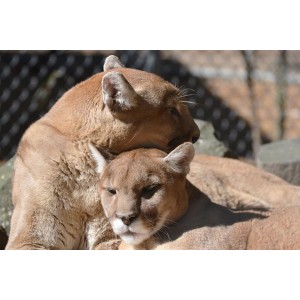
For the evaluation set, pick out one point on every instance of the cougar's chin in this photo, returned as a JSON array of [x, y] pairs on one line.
[[132, 238]]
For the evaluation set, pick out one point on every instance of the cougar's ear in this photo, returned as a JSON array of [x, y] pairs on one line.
[[112, 62], [118, 94], [180, 158], [98, 158]]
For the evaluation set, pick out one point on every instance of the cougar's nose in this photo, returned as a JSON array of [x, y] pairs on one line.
[[127, 219], [195, 138], [195, 134]]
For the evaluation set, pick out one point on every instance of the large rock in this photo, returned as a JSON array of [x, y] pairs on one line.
[[209, 143], [6, 206], [281, 158]]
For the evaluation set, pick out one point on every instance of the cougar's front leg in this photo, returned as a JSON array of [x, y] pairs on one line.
[[100, 235], [41, 229]]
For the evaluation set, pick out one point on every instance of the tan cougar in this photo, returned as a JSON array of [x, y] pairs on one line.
[[56, 204], [239, 185], [148, 201]]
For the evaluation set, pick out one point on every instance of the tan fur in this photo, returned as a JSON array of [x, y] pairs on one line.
[[278, 230], [205, 225], [239, 185], [56, 203]]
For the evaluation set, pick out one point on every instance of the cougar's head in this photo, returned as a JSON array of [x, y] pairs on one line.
[[143, 190], [143, 110]]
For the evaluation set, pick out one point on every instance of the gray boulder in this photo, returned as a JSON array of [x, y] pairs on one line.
[[281, 158], [209, 143], [6, 206]]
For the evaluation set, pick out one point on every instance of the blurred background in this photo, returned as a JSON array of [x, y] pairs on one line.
[[250, 97]]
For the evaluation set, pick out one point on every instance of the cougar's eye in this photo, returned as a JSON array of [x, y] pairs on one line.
[[174, 112], [150, 190], [111, 191]]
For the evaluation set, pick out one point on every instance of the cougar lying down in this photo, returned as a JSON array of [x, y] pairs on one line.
[[56, 203], [148, 201], [238, 185]]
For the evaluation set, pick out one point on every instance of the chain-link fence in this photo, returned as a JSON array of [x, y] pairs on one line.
[[240, 92]]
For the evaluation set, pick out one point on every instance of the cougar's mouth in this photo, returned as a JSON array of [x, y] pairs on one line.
[[128, 234], [178, 141], [135, 238], [131, 236]]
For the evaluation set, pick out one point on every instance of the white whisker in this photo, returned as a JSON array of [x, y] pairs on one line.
[[184, 91], [167, 220], [162, 230], [135, 134], [190, 102], [188, 95]]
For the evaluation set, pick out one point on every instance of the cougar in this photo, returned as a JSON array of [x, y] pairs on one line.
[[151, 205], [56, 203]]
